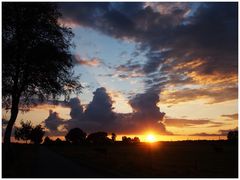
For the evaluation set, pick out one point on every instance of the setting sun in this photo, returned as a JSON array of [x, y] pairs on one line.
[[151, 138]]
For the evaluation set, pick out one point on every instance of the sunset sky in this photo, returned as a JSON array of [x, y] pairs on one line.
[[170, 69]]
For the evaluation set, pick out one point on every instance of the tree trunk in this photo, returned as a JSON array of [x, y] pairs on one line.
[[13, 117]]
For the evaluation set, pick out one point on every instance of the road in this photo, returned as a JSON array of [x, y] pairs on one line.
[[52, 165]]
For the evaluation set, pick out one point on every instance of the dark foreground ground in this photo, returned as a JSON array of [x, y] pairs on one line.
[[165, 159]]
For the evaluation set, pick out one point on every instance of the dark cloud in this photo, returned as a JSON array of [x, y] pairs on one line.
[[212, 95], [225, 131], [53, 121], [146, 114], [129, 70], [99, 115], [231, 116], [100, 108], [221, 133], [206, 134], [145, 106], [173, 34], [76, 108]]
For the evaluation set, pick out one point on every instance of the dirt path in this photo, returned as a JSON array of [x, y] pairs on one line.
[[51, 165]]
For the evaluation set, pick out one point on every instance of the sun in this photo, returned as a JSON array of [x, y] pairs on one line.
[[151, 138]]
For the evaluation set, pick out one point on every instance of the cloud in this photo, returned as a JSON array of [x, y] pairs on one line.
[[221, 133], [76, 108], [146, 114], [53, 121], [87, 62], [231, 116], [67, 23], [175, 122], [182, 42], [99, 115], [100, 108], [129, 70], [216, 95], [225, 131]]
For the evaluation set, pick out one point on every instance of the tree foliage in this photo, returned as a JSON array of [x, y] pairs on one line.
[[37, 134], [113, 137], [98, 138], [24, 132], [232, 136], [36, 60], [28, 132], [76, 136]]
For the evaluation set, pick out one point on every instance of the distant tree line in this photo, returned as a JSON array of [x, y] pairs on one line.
[[27, 132], [77, 136], [34, 134]]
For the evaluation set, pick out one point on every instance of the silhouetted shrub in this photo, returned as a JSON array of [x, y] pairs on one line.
[[98, 138], [76, 136], [113, 137], [136, 140], [128, 140], [28, 132], [232, 136], [37, 134], [47, 141], [23, 132]]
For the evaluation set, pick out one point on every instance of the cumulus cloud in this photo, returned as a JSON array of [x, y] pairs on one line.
[[100, 108], [53, 121], [99, 115], [76, 108]]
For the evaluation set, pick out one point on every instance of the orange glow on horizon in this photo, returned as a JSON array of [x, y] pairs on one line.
[[150, 138]]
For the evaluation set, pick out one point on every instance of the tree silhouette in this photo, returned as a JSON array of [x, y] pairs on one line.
[[47, 141], [76, 136], [36, 61], [113, 137], [24, 132], [232, 136], [126, 140], [28, 132], [37, 134], [136, 140], [98, 138]]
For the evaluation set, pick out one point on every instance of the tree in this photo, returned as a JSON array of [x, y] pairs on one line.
[[136, 140], [113, 137], [76, 136], [98, 138], [24, 132], [36, 60], [126, 140], [37, 134], [232, 136], [47, 141], [28, 132]]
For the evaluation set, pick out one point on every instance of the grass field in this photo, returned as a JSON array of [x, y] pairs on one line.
[[164, 159]]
